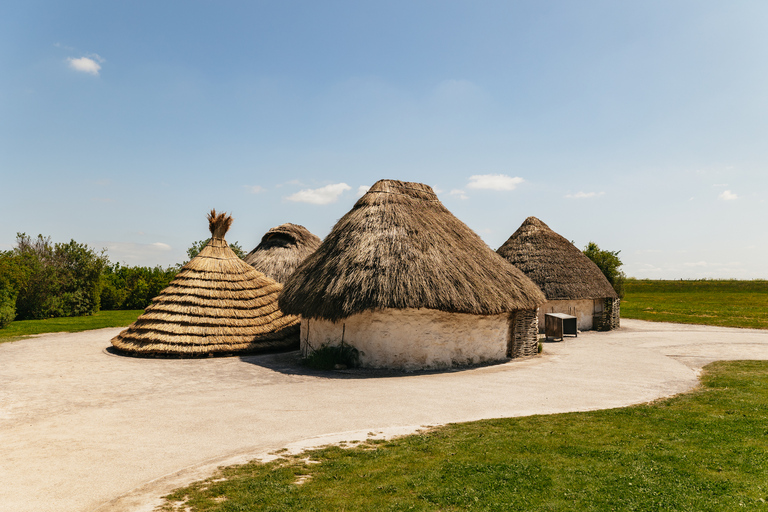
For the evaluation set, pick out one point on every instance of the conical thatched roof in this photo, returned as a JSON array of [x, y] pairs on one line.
[[399, 247], [281, 250], [560, 269], [216, 304]]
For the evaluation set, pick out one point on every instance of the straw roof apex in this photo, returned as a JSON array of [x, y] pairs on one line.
[[218, 223], [399, 247]]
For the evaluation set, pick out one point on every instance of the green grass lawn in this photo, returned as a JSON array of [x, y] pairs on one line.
[[702, 450], [20, 328], [707, 302]]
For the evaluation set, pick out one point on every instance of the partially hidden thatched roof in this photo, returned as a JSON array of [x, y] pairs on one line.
[[281, 251], [399, 247], [560, 269], [216, 304]]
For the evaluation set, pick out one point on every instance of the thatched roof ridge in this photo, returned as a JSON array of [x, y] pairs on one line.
[[558, 267], [216, 304], [281, 251], [399, 247]]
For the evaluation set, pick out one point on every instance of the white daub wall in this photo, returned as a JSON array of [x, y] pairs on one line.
[[412, 339]]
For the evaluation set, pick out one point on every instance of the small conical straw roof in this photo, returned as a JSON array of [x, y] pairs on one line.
[[399, 247], [558, 267], [216, 304], [281, 250]]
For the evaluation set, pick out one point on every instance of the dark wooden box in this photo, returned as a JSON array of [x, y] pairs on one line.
[[556, 325]]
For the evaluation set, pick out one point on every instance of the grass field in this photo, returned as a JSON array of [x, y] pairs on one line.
[[21, 328], [707, 302], [703, 450]]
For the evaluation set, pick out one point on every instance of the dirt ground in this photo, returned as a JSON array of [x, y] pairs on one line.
[[83, 430]]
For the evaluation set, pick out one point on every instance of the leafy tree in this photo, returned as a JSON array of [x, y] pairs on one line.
[[609, 264], [196, 247]]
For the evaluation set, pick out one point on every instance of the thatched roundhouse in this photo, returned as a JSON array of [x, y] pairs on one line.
[[281, 250], [572, 282], [408, 285], [217, 304]]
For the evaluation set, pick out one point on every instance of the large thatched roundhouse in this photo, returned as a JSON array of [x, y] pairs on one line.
[[281, 251], [410, 286], [572, 282], [217, 304]]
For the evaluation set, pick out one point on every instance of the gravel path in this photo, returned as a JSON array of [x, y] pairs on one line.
[[85, 430]]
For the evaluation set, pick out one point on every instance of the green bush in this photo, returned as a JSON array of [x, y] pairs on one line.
[[327, 357], [56, 280], [133, 287], [7, 308]]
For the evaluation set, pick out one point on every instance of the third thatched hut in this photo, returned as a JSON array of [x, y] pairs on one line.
[[281, 251], [410, 286], [572, 282]]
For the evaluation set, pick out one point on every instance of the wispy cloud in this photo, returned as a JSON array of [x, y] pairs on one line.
[[695, 264], [584, 195], [362, 189], [494, 182], [727, 195], [323, 195], [89, 64], [458, 193], [255, 189]]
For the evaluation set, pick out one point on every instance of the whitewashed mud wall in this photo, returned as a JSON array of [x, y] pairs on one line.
[[412, 339]]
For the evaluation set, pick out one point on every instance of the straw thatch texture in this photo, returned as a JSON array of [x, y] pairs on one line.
[[281, 251], [216, 304], [399, 247], [559, 268]]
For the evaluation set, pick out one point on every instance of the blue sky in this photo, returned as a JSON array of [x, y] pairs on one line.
[[641, 126]]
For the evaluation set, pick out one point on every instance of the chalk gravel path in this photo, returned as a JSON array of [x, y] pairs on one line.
[[85, 430]]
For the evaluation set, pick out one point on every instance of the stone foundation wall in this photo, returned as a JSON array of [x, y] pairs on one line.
[[610, 317], [524, 333]]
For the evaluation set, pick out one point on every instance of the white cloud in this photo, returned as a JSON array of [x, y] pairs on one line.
[[160, 246], [695, 264], [86, 64], [255, 189], [362, 189], [494, 182], [458, 192], [323, 195], [719, 185], [727, 195], [584, 195]]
